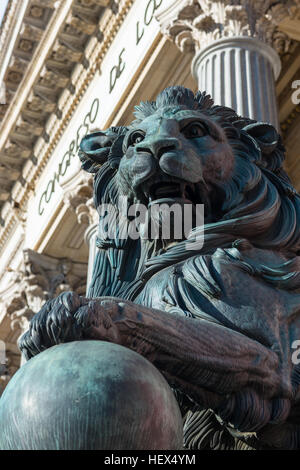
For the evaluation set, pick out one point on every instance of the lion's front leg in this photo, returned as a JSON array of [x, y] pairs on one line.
[[217, 367], [198, 352], [69, 317]]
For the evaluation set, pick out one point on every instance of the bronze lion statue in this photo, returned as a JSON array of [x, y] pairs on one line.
[[218, 319]]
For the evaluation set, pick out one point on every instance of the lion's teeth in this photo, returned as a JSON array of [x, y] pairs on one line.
[[168, 189]]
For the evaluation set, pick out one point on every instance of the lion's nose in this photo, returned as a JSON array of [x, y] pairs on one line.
[[157, 147]]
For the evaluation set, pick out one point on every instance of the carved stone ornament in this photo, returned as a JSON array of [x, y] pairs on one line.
[[80, 200], [194, 24], [42, 278], [216, 310]]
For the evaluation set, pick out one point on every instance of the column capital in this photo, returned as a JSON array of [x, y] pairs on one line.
[[195, 24]]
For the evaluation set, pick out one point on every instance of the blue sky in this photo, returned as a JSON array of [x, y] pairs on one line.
[[3, 4]]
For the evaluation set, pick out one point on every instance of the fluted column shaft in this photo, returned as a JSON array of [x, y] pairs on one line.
[[240, 72]]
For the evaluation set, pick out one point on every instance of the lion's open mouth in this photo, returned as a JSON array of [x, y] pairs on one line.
[[170, 191], [164, 191]]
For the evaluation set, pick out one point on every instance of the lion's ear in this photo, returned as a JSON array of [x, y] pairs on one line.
[[265, 135], [100, 147], [269, 143]]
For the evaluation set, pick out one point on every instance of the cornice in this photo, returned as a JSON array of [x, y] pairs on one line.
[[50, 45], [8, 27], [22, 30], [33, 69], [96, 53]]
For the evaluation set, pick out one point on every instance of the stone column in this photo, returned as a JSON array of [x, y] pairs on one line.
[[90, 237], [240, 73], [237, 45], [80, 198]]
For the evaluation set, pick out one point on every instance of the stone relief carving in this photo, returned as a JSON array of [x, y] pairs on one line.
[[42, 278], [80, 199]]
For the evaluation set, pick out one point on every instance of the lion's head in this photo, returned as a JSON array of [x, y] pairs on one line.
[[175, 154], [184, 148]]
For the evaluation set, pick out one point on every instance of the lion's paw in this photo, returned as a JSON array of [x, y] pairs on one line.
[[56, 323]]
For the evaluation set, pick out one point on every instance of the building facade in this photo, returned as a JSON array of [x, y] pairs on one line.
[[69, 67]]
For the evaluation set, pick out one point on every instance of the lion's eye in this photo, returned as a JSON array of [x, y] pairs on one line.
[[194, 130], [135, 138]]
